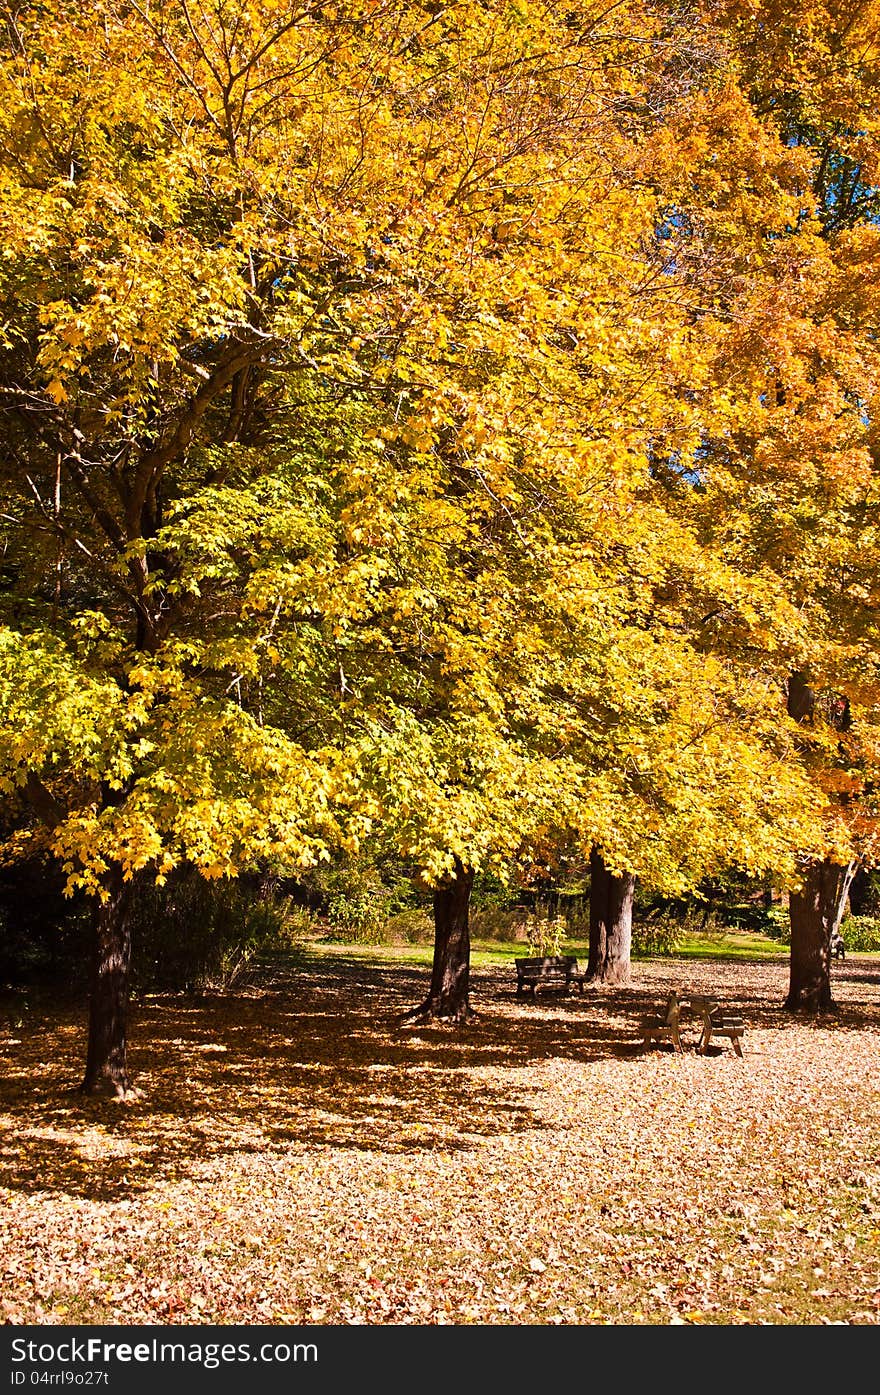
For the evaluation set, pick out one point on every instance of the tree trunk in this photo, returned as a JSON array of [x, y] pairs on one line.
[[611, 904], [106, 1061], [599, 877], [859, 892], [800, 700], [816, 911], [448, 996]]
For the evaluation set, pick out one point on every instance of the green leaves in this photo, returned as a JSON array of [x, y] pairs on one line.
[[59, 715], [394, 439]]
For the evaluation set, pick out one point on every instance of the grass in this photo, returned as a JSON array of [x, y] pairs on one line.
[[730, 945], [727, 945], [484, 953]]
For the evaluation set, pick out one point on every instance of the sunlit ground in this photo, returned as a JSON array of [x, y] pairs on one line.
[[297, 1155]]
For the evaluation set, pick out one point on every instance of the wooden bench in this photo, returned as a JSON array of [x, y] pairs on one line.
[[552, 971], [665, 1028], [718, 1022]]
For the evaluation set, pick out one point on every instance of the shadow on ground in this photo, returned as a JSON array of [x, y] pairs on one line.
[[322, 1058]]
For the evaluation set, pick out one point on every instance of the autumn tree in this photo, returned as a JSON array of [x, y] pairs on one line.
[[318, 330], [791, 482], [544, 684], [356, 365], [183, 232]]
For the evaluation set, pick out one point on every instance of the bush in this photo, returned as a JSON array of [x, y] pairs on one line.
[[357, 905], [490, 893], [861, 932], [414, 926], [658, 935], [545, 936], [194, 935], [498, 923], [776, 924], [359, 898], [577, 920]]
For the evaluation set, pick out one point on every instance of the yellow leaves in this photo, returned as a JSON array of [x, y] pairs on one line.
[[472, 434], [418, 432], [512, 529], [841, 782]]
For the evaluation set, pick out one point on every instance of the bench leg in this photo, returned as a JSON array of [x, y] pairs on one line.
[[737, 1047]]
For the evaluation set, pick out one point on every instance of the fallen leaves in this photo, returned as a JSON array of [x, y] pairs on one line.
[[324, 1167]]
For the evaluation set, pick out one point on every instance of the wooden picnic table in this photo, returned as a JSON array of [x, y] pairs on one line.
[[718, 1021]]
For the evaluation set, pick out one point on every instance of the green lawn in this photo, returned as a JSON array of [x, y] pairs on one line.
[[731, 944], [727, 945]]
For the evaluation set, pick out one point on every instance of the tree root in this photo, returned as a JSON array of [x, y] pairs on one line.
[[426, 1012], [105, 1088], [831, 1009]]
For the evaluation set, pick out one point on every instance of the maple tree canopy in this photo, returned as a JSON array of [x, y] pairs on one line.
[[358, 365]]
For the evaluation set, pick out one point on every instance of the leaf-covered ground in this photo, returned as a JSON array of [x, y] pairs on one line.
[[296, 1155]]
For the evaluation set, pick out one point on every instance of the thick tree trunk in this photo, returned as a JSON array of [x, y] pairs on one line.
[[106, 1061], [448, 996], [816, 912], [599, 876], [611, 905]]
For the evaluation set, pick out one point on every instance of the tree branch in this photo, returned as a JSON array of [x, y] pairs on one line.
[[43, 802]]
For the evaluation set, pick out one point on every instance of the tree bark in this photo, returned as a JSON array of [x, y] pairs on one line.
[[816, 911], [800, 701], [598, 913], [106, 1060], [448, 996], [611, 905], [859, 892]]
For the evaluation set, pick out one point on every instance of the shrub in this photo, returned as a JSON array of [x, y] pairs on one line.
[[658, 935], [194, 935], [490, 892], [545, 936], [359, 897], [578, 922], [777, 924], [861, 932], [412, 927], [498, 923], [356, 903]]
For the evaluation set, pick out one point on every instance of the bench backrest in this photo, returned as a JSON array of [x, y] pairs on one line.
[[556, 961]]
